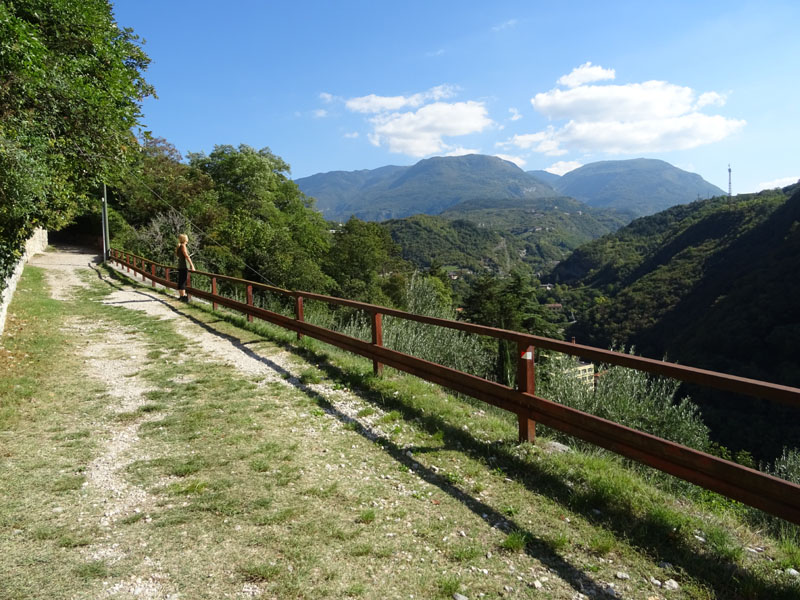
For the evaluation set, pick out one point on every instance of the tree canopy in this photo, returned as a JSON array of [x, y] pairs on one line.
[[72, 87]]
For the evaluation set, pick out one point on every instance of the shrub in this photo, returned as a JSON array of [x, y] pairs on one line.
[[449, 347], [788, 465], [628, 397]]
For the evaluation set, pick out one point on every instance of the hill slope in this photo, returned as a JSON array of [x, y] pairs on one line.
[[500, 235], [636, 187], [712, 284], [546, 229], [429, 187]]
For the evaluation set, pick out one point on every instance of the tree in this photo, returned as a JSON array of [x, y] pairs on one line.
[[271, 232], [72, 88], [508, 303], [158, 180], [362, 256]]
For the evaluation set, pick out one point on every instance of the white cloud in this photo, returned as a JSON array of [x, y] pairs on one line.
[[652, 135], [351, 135], [506, 25], [544, 142], [422, 132], [515, 116], [710, 99], [517, 160], [320, 113], [326, 97], [653, 116], [778, 183], [376, 104], [564, 166], [586, 73], [651, 99]]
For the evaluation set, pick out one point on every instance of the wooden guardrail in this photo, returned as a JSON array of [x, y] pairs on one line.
[[766, 492]]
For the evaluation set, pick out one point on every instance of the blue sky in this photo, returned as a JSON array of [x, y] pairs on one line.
[[344, 85]]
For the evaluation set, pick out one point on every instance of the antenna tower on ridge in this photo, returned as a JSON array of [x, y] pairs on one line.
[[729, 180]]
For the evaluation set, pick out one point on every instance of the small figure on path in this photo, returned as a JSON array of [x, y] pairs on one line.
[[184, 259]]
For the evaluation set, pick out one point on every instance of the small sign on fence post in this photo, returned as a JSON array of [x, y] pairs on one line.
[[526, 383]]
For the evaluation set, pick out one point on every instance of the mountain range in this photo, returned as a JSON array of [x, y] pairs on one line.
[[631, 187]]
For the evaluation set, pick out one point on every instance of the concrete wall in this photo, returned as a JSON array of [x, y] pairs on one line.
[[36, 244]]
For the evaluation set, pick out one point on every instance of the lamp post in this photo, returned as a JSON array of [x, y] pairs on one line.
[[106, 240]]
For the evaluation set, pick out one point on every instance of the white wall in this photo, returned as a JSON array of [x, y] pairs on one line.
[[36, 244]]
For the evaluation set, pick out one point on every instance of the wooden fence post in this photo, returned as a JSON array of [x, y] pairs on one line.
[[188, 282], [298, 312], [153, 274], [166, 274], [377, 340], [526, 382], [214, 292], [250, 301]]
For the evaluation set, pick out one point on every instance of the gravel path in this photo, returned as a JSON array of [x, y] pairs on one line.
[[110, 359]]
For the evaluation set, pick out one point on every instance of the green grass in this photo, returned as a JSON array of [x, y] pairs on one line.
[[366, 517], [254, 478], [259, 571], [516, 541], [96, 569]]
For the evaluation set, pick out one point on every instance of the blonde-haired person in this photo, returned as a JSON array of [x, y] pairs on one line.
[[184, 260]]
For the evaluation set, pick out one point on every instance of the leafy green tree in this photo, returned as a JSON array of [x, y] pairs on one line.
[[361, 259], [71, 90], [508, 303], [271, 232], [157, 180]]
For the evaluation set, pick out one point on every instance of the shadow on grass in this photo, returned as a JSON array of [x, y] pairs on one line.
[[654, 534]]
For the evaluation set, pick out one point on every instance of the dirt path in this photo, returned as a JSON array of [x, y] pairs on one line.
[[111, 359], [314, 499]]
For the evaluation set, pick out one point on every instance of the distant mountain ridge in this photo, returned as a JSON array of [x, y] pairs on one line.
[[428, 187], [637, 187], [632, 187]]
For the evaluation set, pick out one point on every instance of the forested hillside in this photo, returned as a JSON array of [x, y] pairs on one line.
[[427, 240], [634, 187], [546, 229], [712, 284], [430, 186]]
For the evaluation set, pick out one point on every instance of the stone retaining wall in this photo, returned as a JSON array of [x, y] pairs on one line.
[[35, 244]]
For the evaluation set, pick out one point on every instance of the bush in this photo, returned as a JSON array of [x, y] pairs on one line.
[[628, 397], [788, 465], [449, 347]]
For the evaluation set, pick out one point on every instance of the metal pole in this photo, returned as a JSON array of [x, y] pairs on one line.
[[106, 243]]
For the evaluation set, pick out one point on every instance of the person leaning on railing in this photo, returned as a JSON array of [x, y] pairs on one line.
[[184, 259]]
